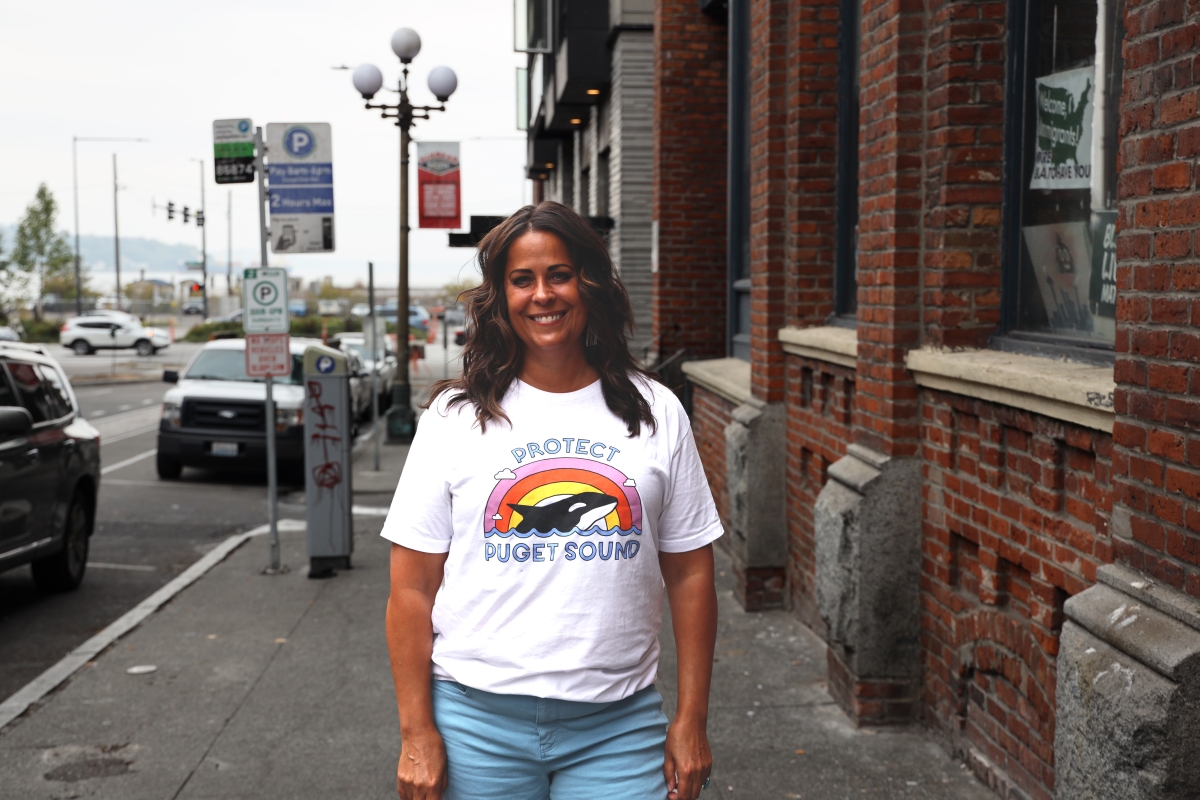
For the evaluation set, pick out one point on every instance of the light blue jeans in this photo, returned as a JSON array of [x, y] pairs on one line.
[[518, 747]]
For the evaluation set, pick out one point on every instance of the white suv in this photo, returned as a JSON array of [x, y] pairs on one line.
[[85, 335]]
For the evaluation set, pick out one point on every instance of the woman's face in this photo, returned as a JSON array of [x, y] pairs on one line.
[[542, 288]]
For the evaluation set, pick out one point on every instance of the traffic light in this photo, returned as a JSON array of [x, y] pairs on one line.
[[199, 217], [186, 214], [170, 210], [196, 287]]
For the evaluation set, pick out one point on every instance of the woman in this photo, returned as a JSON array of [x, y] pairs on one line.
[[550, 494]]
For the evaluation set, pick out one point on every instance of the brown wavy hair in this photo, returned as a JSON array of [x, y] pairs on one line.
[[493, 354]]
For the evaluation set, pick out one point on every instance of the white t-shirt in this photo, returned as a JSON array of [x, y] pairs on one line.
[[553, 526]]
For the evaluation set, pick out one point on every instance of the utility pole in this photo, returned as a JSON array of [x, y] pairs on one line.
[[203, 244], [75, 140], [116, 234]]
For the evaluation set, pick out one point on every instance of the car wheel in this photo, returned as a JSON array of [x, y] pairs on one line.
[[64, 570], [81, 347], [168, 468], [144, 348]]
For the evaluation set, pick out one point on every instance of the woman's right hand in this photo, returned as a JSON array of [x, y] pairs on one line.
[[421, 773]]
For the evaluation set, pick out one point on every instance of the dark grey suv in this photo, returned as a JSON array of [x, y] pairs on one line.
[[49, 470]]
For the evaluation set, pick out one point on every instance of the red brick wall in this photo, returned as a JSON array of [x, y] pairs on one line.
[[1156, 463], [963, 169], [768, 105], [811, 165], [710, 414], [820, 404], [890, 173], [688, 200], [1015, 521]]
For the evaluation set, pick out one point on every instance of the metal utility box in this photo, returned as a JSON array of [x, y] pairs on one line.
[[328, 460]]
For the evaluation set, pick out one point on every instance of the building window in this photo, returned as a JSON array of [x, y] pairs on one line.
[[1060, 193], [531, 26], [522, 98], [845, 287]]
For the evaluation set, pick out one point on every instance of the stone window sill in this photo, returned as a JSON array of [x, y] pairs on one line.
[[728, 378], [823, 343], [1065, 390]]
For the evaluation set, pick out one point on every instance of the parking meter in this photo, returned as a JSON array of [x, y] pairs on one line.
[[328, 442]]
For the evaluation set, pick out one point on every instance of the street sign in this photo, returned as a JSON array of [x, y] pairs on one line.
[[265, 300], [268, 355], [300, 174], [233, 150]]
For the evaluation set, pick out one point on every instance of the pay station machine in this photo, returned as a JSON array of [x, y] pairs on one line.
[[328, 466]]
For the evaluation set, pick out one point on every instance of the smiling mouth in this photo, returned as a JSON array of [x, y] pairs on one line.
[[546, 319]]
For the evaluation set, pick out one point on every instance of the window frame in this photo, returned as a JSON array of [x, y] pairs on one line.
[[1017, 126]]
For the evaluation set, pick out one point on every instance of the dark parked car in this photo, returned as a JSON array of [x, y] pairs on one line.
[[49, 470]]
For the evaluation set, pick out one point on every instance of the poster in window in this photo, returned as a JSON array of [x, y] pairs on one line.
[[1102, 291], [1062, 156], [438, 185], [1062, 265]]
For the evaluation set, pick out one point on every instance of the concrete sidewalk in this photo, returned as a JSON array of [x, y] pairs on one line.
[[279, 686]]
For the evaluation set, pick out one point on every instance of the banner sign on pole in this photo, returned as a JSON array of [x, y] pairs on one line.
[[438, 189], [233, 150], [268, 355], [1065, 108], [300, 175], [265, 300]]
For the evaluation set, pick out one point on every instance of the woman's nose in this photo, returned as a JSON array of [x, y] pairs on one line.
[[542, 291]]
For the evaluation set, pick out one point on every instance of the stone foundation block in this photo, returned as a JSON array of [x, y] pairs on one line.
[[755, 464], [868, 526], [1128, 699]]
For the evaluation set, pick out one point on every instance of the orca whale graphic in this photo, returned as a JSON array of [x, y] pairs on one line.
[[563, 514]]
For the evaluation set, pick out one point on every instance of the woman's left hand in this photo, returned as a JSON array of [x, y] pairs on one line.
[[688, 759]]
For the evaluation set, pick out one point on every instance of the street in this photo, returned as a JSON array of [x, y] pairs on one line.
[[147, 530]]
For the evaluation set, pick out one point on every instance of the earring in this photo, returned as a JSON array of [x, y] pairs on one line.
[[590, 340]]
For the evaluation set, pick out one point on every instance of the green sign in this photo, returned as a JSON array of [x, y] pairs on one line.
[[265, 300], [1065, 108], [233, 150]]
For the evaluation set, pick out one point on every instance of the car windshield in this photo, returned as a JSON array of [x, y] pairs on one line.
[[230, 365]]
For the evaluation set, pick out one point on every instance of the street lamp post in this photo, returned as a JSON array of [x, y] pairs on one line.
[[75, 140], [368, 80]]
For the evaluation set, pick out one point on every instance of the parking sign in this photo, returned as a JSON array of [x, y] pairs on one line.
[[265, 300]]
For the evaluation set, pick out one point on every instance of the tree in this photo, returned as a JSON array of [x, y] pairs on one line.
[[451, 291], [42, 252]]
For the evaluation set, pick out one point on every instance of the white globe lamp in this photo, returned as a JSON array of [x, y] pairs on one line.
[[367, 80], [442, 82], [406, 44]]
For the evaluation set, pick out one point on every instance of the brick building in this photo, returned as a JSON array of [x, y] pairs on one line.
[[933, 264]]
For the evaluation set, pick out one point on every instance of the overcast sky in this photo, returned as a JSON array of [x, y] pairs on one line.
[[164, 72]]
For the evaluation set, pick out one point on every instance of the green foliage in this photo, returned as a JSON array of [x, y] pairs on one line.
[[40, 251], [41, 330], [452, 290], [202, 333]]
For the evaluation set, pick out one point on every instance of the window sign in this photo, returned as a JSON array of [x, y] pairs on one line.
[[1066, 283]]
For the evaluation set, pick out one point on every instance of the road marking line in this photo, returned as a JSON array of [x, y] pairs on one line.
[[128, 461], [131, 434], [52, 678], [132, 567], [369, 511]]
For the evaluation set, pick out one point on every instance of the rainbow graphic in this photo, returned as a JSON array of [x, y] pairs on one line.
[[562, 489]]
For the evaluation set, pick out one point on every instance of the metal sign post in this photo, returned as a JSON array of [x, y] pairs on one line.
[[375, 356], [264, 304]]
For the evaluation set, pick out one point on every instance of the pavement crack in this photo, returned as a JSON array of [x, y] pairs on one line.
[[250, 691]]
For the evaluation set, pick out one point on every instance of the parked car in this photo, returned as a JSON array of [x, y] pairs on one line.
[[298, 308], [357, 343], [87, 334], [418, 317], [214, 415], [193, 305], [360, 310], [49, 470], [7, 334], [329, 308], [360, 386]]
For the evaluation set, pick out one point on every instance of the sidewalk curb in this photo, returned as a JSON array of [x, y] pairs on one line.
[[52, 678], [119, 380]]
